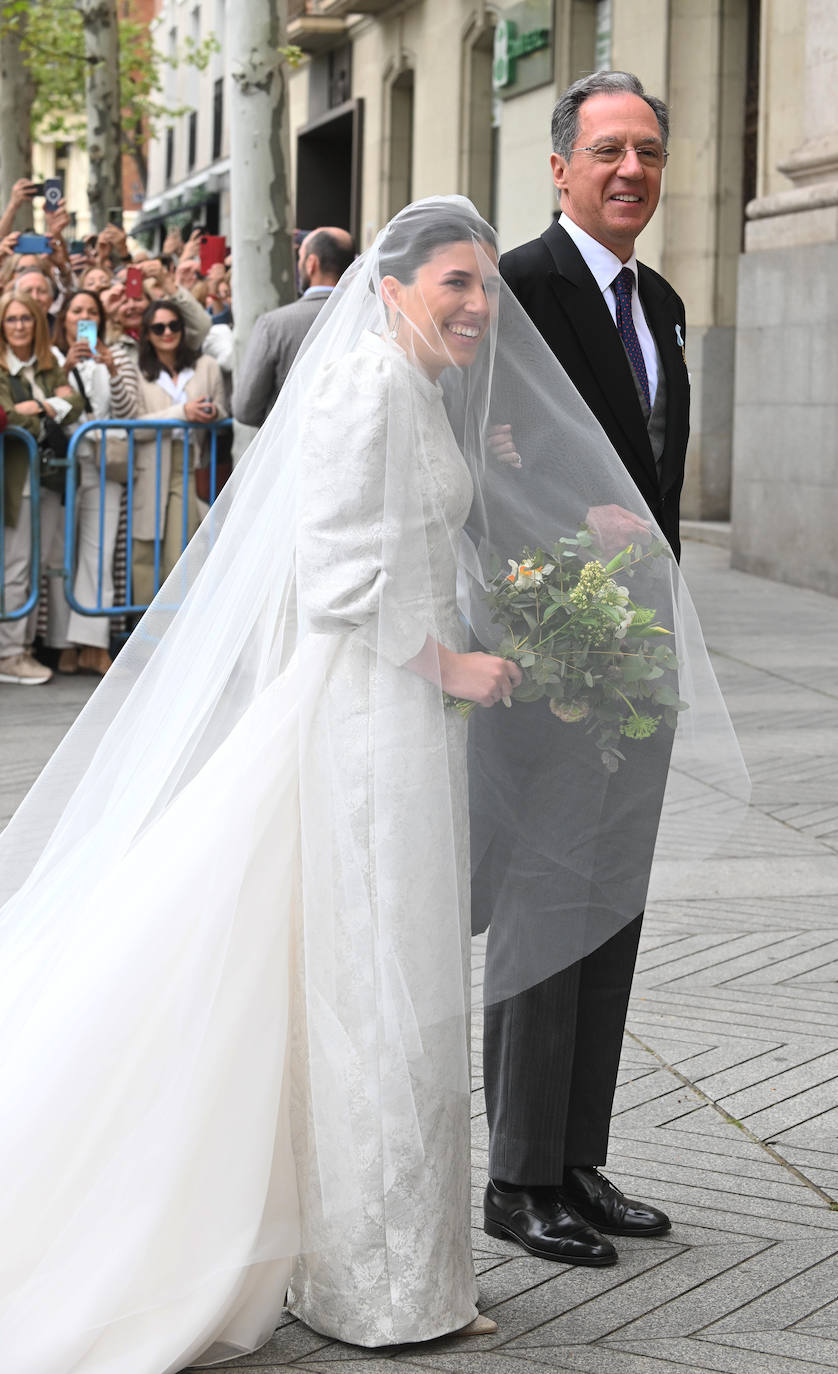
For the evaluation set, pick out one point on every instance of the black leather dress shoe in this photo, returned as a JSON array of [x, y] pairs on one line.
[[602, 1204], [544, 1224]]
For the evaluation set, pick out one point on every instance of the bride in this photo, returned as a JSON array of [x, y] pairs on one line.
[[234, 972], [235, 946]]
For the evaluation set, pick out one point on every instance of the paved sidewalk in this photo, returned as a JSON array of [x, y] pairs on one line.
[[727, 1109]]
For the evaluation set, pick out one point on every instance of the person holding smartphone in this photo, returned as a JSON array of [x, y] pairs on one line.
[[23, 193], [107, 380], [176, 383]]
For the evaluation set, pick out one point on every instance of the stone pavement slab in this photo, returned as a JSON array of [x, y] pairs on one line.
[[727, 1106]]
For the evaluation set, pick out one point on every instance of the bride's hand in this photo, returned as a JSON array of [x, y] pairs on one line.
[[479, 677]]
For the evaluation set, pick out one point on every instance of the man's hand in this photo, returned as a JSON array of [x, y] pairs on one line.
[[111, 242], [501, 445], [112, 298], [192, 247], [57, 220], [614, 528], [173, 242], [186, 273], [23, 190], [7, 245]]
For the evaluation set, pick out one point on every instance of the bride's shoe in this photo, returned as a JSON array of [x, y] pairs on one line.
[[481, 1326]]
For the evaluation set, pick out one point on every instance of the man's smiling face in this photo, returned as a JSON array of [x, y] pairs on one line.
[[611, 202]]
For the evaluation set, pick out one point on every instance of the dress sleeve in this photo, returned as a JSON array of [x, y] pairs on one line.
[[361, 563], [125, 385], [195, 318]]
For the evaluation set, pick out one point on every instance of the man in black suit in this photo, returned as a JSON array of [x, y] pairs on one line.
[[551, 1053]]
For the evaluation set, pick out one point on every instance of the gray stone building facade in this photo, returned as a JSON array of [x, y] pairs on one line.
[[396, 99]]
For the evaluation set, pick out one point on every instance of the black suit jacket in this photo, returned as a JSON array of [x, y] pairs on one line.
[[561, 297]]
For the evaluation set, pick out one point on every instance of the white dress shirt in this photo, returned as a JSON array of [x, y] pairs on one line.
[[604, 267]]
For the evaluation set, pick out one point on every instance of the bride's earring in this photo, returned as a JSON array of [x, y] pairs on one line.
[[394, 332]]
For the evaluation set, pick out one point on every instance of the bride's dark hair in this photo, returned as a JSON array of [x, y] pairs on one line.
[[413, 237]]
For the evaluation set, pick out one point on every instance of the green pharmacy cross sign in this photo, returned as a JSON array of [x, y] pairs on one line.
[[510, 46]]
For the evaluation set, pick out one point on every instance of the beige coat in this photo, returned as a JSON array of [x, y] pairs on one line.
[[156, 403]]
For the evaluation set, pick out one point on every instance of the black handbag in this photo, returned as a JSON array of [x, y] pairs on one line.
[[53, 442]]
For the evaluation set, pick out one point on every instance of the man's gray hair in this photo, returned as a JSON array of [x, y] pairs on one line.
[[565, 122], [25, 272]]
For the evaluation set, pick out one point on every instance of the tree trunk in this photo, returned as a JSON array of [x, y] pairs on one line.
[[104, 114], [16, 93], [263, 259]]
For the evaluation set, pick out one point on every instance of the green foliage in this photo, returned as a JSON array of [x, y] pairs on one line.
[[584, 644], [292, 55], [52, 41]]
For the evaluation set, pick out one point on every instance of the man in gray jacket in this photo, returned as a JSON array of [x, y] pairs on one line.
[[324, 256]]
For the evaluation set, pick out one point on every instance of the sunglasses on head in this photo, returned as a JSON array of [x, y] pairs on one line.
[[170, 327]]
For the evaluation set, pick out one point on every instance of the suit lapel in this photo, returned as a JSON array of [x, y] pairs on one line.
[[582, 302]]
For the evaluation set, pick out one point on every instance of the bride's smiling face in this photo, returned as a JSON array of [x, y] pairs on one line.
[[447, 308]]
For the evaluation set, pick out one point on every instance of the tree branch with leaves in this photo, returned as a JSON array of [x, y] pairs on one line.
[[61, 48]]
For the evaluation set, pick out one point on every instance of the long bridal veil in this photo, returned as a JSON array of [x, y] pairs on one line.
[[233, 822]]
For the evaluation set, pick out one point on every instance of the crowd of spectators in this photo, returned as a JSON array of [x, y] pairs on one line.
[[99, 329]]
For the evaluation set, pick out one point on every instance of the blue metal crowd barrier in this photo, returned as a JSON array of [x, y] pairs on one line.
[[180, 432], [18, 612]]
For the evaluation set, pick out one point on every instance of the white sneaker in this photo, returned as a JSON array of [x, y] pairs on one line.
[[24, 669]]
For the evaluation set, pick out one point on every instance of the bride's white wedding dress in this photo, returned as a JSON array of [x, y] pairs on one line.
[[237, 1063]]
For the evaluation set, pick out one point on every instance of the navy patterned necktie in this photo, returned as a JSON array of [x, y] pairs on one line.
[[622, 286]]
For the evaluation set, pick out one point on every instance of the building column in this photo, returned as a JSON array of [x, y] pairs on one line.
[[700, 223], [785, 471]]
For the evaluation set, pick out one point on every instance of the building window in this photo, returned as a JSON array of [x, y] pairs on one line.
[[480, 120], [170, 154], [217, 118], [604, 25], [192, 140], [751, 131], [400, 180], [340, 76]]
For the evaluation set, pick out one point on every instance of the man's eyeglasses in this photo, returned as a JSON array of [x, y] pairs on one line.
[[648, 154], [170, 327]]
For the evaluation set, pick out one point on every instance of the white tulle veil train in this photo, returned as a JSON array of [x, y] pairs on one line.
[[176, 885]]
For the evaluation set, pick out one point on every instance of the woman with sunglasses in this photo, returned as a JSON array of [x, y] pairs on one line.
[[175, 384]]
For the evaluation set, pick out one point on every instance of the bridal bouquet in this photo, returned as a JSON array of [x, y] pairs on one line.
[[599, 658]]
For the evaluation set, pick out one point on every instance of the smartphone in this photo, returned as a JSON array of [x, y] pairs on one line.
[[87, 330], [134, 283], [77, 246], [213, 249], [35, 188], [53, 191], [33, 243]]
